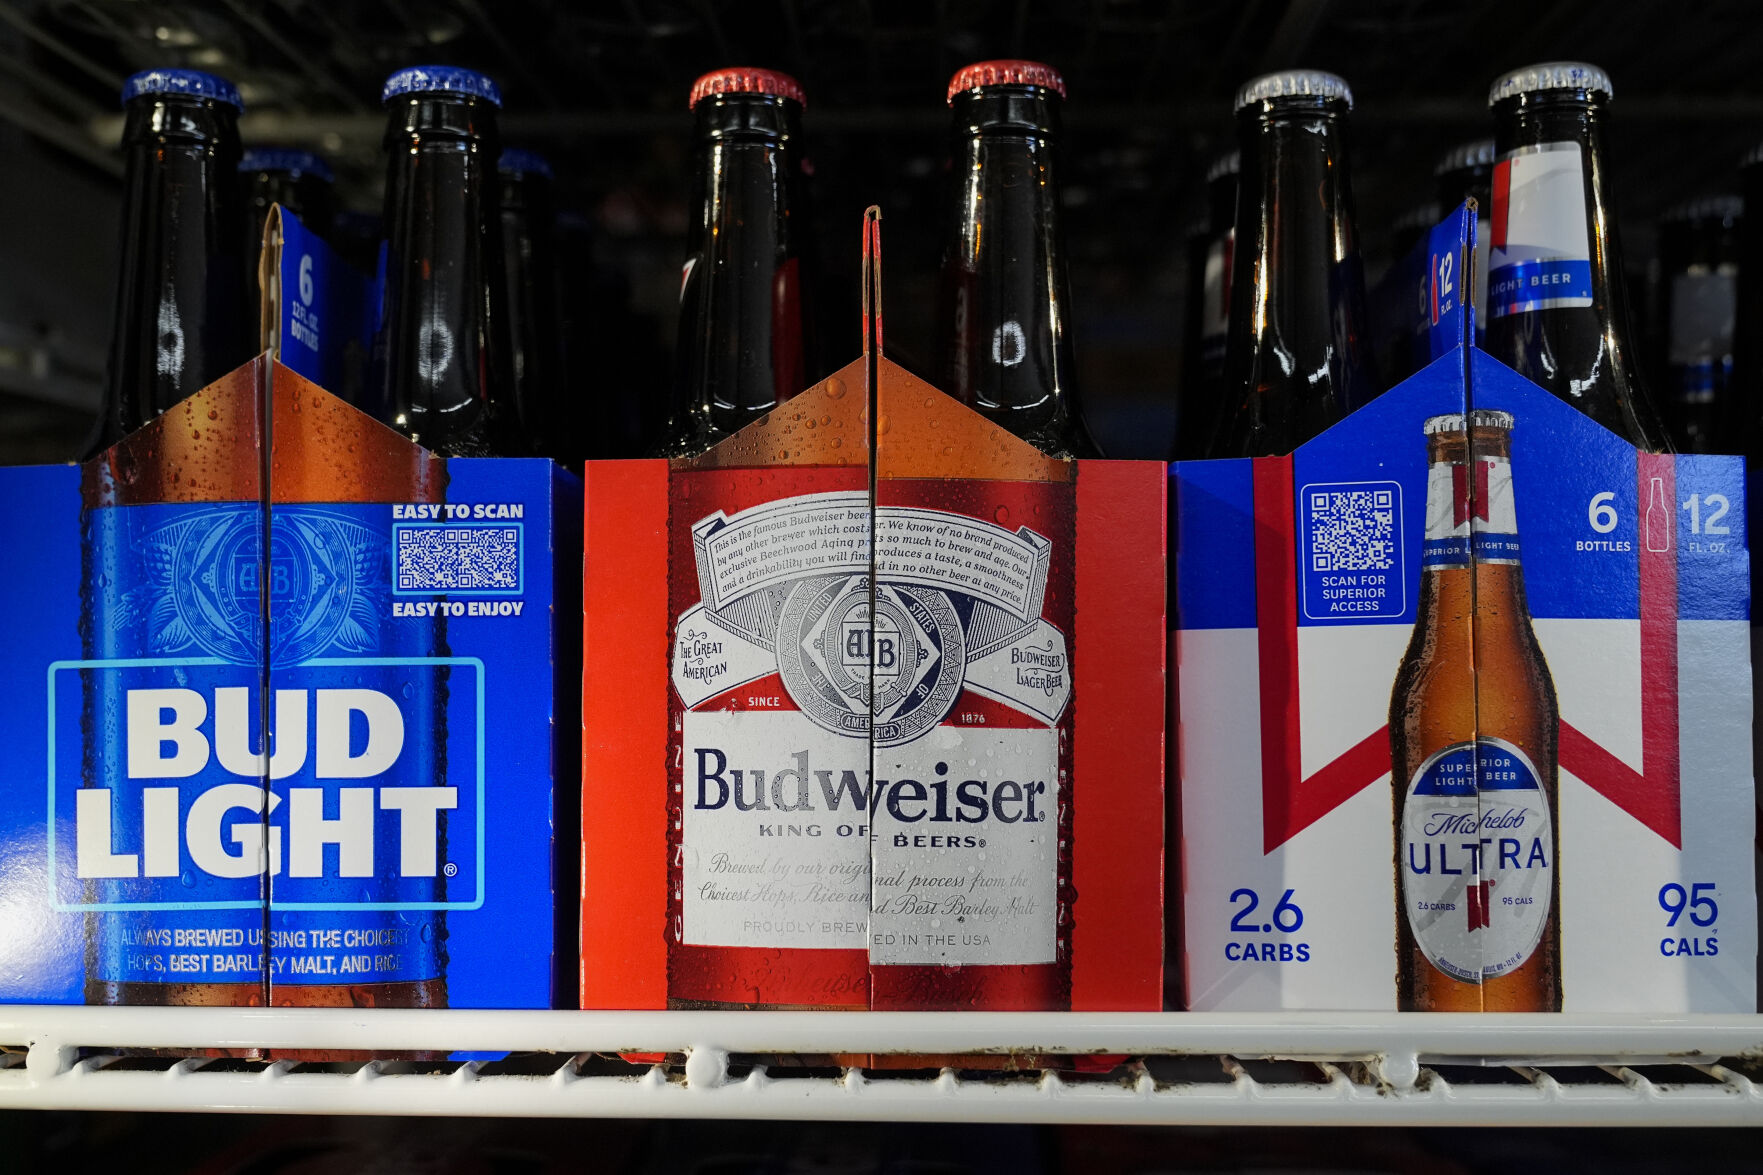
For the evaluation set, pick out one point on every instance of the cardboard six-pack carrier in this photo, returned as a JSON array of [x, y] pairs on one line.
[[265, 557], [1603, 850], [873, 715]]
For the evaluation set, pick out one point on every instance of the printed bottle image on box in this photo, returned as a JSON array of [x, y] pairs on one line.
[[1464, 707], [847, 766]]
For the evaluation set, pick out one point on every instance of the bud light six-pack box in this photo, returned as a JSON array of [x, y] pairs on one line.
[[1464, 704], [284, 706], [874, 716]]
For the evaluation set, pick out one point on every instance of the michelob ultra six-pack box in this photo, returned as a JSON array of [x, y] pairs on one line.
[[281, 702], [1464, 706], [873, 715]]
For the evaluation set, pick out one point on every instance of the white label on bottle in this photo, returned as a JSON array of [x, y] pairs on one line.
[[967, 849], [1215, 290], [775, 832], [1541, 252], [1477, 859]]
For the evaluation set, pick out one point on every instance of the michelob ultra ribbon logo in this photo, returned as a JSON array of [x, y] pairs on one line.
[[956, 603]]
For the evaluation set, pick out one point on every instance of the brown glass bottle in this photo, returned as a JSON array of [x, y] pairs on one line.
[[180, 321], [1474, 726], [534, 420], [1208, 312], [743, 323], [1698, 278], [1467, 173], [1005, 349], [441, 355], [1558, 308], [1298, 358], [299, 181]]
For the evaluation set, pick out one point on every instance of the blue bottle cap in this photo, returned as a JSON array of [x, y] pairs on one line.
[[192, 82], [440, 79], [518, 161], [292, 162]]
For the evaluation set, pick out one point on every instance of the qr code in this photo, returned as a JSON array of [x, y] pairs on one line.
[[1352, 529], [458, 558]]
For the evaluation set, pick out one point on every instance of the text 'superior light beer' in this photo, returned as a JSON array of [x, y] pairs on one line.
[[1698, 286], [1299, 356], [180, 319], [743, 346], [536, 421], [1208, 311], [440, 357], [1006, 349], [1557, 306], [1474, 727]]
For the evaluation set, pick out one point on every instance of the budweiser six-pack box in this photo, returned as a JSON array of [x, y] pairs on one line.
[[1464, 702], [873, 716], [282, 690]]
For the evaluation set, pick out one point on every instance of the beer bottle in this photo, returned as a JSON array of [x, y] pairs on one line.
[[742, 322], [1208, 311], [1473, 730], [1467, 172], [297, 180], [535, 421], [1298, 357], [1006, 324], [440, 352], [180, 318], [1698, 280], [1558, 310], [1741, 415]]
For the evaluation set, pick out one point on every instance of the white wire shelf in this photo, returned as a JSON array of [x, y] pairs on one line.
[[1188, 1068]]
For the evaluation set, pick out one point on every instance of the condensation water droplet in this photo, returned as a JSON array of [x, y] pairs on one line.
[[428, 932], [409, 691], [881, 424], [948, 450], [213, 414], [1002, 514], [835, 387], [936, 923], [838, 442], [188, 879]]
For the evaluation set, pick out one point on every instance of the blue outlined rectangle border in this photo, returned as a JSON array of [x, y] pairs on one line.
[[59, 906]]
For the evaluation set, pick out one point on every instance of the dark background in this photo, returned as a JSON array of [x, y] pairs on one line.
[[601, 89]]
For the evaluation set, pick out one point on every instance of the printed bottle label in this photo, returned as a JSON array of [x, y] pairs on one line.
[[1470, 507], [1540, 246], [1215, 299], [1477, 859], [355, 816]]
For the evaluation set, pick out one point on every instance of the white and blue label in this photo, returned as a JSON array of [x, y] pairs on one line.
[[1477, 859], [1470, 512], [1540, 247]]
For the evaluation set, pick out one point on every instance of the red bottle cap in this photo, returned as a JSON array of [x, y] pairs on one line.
[[747, 81], [1005, 73]]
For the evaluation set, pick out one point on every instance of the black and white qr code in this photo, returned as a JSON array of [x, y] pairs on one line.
[[1352, 529], [458, 558]]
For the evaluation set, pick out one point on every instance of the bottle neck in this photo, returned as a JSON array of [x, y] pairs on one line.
[[179, 320], [1468, 182], [535, 422], [439, 353], [1557, 303], [1296, 361], [742, 325], [1006, 350]]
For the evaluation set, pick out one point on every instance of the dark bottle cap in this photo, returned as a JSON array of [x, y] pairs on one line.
[[1465, 156], [519, 161], [441, 79], [1551, 75], [295, 163], [188, 82], [981, 74], [1293, 83], [743, 80]]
